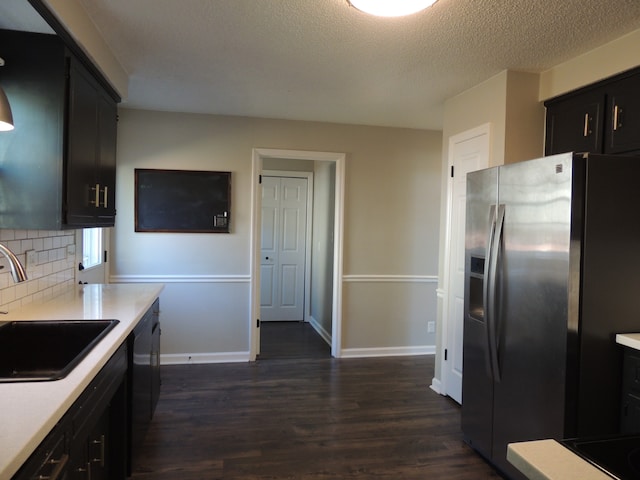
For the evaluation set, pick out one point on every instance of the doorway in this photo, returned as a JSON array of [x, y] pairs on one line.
[[332, 331]]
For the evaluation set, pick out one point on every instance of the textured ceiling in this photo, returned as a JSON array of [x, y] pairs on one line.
[[323, 60]]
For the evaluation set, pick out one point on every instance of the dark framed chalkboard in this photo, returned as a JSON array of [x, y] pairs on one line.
[[188, 201]]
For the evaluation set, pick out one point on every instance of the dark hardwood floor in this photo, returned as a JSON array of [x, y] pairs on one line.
[[313, 417], [291, 340]]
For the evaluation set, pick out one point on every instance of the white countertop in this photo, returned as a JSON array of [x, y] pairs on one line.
[[550, 460], [631, 340], [29, 411]]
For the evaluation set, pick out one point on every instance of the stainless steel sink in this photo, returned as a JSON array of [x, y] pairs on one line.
[[32, 351]]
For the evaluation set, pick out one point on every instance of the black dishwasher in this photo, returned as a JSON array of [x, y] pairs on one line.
[[144, 381]]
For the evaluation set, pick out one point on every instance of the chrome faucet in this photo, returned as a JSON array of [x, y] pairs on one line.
[[17, 270]]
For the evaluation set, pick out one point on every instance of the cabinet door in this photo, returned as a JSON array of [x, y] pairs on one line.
[[574, 124], [82, 192], [51, 458], [155, 366], [630, 421], [623, 116], [90, 453], [91, 151], [97, 443], [107, 130]]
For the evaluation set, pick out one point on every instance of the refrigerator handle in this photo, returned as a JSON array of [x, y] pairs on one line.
[[487, 288], [493, 270]]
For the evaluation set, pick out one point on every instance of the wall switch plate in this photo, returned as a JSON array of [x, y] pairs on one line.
[[32, 258], [71, 249], [431, 327]]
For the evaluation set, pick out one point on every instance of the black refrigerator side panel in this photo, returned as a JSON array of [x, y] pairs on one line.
[[477, 384], [610, 287]]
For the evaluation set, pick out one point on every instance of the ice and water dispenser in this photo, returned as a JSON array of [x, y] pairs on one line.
[[476, 288]]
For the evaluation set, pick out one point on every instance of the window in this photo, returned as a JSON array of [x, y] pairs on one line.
[[91, 247]]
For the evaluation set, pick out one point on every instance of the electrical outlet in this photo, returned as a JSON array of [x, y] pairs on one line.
[[32, 258], [431, 327]]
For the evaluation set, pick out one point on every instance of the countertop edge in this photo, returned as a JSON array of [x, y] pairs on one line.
[[549, 460], [631, 340]]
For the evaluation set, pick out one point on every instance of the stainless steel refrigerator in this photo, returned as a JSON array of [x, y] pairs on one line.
[[552, 274]]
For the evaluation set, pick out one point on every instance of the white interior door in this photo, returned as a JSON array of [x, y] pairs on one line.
[[283, 240], [468, 151]]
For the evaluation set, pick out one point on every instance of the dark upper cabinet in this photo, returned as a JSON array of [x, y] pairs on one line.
[[601, 118], [623, 121], [575, 124], [58, 164], [91, 151]]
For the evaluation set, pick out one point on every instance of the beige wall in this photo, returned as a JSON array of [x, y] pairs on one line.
[[392, 202], [524, 118], [614, 57]]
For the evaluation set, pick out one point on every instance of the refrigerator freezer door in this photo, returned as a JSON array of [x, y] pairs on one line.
[[477, 383], [533, 284]]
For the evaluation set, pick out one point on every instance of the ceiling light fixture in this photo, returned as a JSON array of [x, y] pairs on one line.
[[391, 8], [6, 118]]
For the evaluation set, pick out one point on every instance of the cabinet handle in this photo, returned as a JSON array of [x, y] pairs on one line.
[[155, 359], [617, 112], [101, 443], [85, 470], [586, 125], [105, 191], [59, 468], [96, 200]]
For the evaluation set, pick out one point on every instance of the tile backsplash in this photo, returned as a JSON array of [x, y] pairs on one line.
[[54, 268]]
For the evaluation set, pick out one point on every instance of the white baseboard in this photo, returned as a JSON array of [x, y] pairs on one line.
[[436, 386], [387, 352], [187, 358], [326, 336]]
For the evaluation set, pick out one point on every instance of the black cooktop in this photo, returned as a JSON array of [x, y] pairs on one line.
[[618, 457]]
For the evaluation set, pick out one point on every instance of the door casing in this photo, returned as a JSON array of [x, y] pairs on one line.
[[258, 155]]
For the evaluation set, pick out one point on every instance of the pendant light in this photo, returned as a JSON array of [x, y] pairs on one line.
[[6, 118], [391, 8]]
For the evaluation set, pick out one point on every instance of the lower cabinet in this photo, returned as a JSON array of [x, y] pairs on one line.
[[630, 408], [89, 442], [144, 388], [102, 431]]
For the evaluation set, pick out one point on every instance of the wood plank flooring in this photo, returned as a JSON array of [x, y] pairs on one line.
[[306, 418], [291, 340]]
